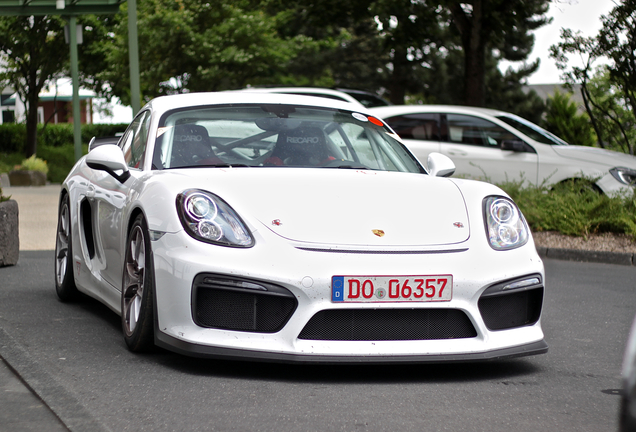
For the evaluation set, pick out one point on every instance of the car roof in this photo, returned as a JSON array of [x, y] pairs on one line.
[[317, 91], [166, 103], [363, 95], [451, 109]]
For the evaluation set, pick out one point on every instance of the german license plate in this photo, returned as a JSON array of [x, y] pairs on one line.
[[374, 289]]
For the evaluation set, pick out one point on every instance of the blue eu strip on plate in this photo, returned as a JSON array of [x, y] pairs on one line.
[[337, 288]]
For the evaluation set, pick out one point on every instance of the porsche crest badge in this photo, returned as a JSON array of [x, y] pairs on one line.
[[378, 232]]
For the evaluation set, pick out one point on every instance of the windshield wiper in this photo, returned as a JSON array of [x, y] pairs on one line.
[[351, 167]]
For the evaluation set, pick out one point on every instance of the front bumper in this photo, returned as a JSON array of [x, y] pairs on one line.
[[307, 276], [206, 351]]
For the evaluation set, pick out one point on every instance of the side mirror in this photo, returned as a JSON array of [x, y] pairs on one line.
[[96, 142], [440, 165], [109, 158], [513, 145]]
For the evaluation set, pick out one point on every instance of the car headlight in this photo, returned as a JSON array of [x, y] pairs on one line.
[[624, 175], [208, 218], [505, 225]]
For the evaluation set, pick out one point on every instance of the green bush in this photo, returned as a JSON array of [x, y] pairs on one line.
[[8, 161], [55, 145], [34, 164], [61, 160], [55, 135], [101, 130], [13, 136], [573, 208]]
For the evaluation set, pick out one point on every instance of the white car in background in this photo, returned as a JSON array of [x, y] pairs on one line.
[[497, 146], [294, 229], [356, 97]]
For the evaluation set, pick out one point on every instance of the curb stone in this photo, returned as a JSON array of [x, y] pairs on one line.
[[620, 258], [70, 412]]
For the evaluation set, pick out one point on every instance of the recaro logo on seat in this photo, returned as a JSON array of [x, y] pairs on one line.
[[184, 138], [303, 140]]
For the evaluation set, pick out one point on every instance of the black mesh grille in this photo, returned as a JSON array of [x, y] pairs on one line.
[[239, 310], [388, 324], [516, 309]]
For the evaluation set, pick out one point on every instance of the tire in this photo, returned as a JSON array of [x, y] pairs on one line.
[[137, 294], [64, 278]]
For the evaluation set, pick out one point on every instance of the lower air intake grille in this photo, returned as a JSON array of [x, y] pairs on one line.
[[388, 324], [242, 309], [516, 309]]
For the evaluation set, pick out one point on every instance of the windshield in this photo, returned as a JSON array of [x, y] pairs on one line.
[[531, 130], [278, 136]]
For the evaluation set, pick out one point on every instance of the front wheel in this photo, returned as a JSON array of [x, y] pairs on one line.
[[64, 279], [137, 309]]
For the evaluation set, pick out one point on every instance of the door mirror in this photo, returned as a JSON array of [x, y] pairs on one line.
[[513, 145], [440, 165], [109, 158]]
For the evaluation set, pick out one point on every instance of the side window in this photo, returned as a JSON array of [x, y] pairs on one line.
[[135, 140], [471, 130], [417, 126]]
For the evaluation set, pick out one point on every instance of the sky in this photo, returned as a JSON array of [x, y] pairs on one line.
[[577, 15], [581, 15]]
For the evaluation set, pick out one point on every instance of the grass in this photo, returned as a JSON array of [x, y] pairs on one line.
[[574, 208]]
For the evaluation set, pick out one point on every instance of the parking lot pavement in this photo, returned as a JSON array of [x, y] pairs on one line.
[[21, 410]]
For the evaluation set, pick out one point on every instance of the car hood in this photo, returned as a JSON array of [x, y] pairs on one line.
[[345, 207], [596, 155]]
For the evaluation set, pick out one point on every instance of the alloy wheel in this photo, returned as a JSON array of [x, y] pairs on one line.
[[134, 278]]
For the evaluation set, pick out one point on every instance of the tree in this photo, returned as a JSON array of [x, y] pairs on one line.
[[32, 50], [381, 46], [410, 31], [411, 42], [500, 25], [614, 119], [564, 120], [504, 91], [188, 45], [406, 50], [609, 96]]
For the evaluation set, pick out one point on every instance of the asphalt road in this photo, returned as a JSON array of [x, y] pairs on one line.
[[74, 358]]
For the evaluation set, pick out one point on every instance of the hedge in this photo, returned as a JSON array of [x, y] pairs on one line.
[[55, 145], [13, 136]]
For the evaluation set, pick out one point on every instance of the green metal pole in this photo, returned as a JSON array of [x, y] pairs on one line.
[[77, 120], [133, 50]]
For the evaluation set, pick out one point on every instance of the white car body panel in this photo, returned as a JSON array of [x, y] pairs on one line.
[[308, 225]]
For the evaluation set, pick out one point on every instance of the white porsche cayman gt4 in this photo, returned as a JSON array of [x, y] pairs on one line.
[[294, 229]]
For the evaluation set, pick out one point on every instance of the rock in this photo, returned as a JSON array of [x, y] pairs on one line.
[[27, 178], [9, 233]]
